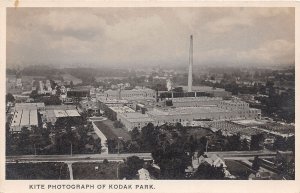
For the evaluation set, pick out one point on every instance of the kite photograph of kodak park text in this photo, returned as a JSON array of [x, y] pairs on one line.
[[150, 93]]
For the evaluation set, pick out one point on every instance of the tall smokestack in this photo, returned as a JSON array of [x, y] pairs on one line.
[[190, 78], [119, 94]]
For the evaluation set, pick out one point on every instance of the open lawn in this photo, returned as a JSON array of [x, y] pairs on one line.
[[105, 171], [238, 169], [37, 171], [110, 131], [198, 132]]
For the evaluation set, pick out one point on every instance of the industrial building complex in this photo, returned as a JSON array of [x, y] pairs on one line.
[[138, 107]]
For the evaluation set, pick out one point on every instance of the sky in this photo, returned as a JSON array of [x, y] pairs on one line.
[[145, 37]]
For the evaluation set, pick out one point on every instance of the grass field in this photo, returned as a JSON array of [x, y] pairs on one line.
[[106, 171], [198, 132], [238, 169], [39, 171], [110, 131]]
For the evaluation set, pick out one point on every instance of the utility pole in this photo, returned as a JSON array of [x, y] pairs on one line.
[[118, 169], [71, 149], [34, 150], [118, 146], [206, 145], [119, 138]]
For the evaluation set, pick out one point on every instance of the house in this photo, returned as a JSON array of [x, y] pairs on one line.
[[90, 106], [260, 176], [144, 174], [284, 156], [209, 159]]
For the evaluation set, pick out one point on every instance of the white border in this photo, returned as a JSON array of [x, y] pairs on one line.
[[192, 186]]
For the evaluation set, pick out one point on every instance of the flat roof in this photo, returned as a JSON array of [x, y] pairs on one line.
[[19, 106], [60, 107], [60, 113], [25, 118], [202, 88], [72, 113], [65, 113], [33, 117], [187, 99], [137, 117], [123, 109], [108, 100], [50, 113], [186, 110], [132, 91], [17, 118]]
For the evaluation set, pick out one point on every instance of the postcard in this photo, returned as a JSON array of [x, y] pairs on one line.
[[149, 96]]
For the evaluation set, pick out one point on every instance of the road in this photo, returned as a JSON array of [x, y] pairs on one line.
[[238, 155], [75, 158], [244, 154]]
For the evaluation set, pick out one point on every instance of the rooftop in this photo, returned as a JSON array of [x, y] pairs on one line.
[[19, 106], [186, 99], [137, 117], [24, 118], [60, 107], [123, 109], [202, 88], [186, 110], [108, 100], [66, 113]]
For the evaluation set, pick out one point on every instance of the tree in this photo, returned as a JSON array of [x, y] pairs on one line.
[[34, 94], [149, 137], [256, 163], [233, 143], [53, 100], [203, 142], [71, 84], [291, 143], [135, 134], [112, 145], [192, 144], [131, 167], [118, 124], [58, 90], [53, 84], [105, 161], [10, 98], [206, 171], [244, 145], [172, 160], [280, 143], [257, 142], [133, 147], [23, 141]]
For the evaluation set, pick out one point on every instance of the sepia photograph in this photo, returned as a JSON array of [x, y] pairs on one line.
[[149, 93]]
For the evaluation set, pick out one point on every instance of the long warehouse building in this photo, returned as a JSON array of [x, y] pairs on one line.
[[24, 118]]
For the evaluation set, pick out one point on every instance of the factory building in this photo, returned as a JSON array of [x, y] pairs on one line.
[[191, 110], [30, 106], [186, 105], [114, 112], [193, 102], [25, 115], [127, 94], [134, 119], [78, 93], [53, 116], [23, 118]]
